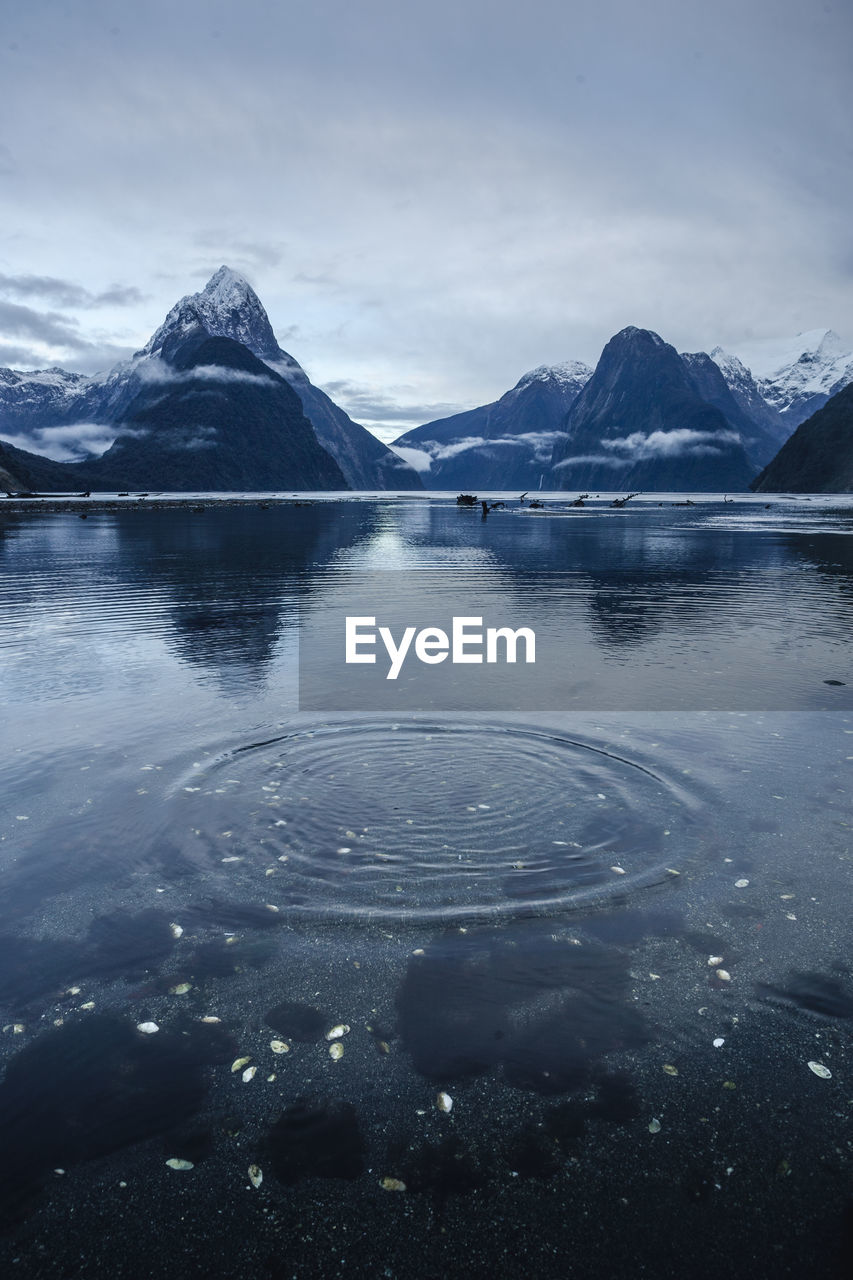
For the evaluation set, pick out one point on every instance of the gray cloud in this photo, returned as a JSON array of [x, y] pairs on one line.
[[363, 402], [672, 444], [67, 443], [440, 195], [419, 459], [67, 294], [44, 326], [640, 446], [157, 372]]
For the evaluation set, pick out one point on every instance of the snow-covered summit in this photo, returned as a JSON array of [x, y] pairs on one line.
[[227, 307], [570, 373]]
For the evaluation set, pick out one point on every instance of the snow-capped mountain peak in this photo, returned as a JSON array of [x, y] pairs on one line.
[[795, 375], [569, 373], [227, 307]]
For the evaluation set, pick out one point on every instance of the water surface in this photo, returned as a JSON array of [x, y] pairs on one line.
[[616, 938]]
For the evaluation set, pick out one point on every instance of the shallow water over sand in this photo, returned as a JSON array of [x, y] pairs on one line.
[[615, 938]]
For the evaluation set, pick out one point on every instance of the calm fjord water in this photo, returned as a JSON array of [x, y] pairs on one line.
[[615, 931]]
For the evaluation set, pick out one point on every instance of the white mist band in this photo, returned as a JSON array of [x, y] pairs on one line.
[[432, 644]]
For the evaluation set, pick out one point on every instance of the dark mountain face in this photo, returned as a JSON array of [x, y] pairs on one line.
[[748, 397], [21, 471], [213, 416], [818, 458], [640, 423], [760, 444], [504, 445], [228, 307]]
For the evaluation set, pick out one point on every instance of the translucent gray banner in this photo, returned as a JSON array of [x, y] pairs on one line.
[[483, 640]]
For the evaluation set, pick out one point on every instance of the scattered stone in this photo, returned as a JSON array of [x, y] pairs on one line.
[[256, 1176], [820, 1070], [147, 1028], [239, 1063], [336, 1051], [670, 1069], [336, 1032], [444, 1102], [392, 1184], [654, 1126], [175, 1163], [180, 989], [279, 1046], [249, 1074]]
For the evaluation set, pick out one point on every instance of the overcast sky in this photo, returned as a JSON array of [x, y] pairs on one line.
[[430, 196]]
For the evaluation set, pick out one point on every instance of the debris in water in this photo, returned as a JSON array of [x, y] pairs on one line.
[[175, 1163], [177, 931], [719, 1042], [444, 1102], [256, 1177], [392, 1184], [670, 1069], [249, 1074], [210, 1018], [724, 975], [336, 1051], [820, 1070], [180, 989], [147, 1028], [654, 1126], [336, 1032], [714, 961], [619, 871], [741, 884], [279, 1046], [239, 1063]]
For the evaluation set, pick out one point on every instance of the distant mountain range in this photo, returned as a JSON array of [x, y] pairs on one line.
[[505, 445], [646, 418], [122, 406], [213, 402]]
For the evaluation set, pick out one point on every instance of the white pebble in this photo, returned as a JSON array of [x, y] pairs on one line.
[[147, 1028], [820, 1070], [341, 1029], [741, 884], [444, 1102], [724, 975], [719, 1042], [175, 1163]]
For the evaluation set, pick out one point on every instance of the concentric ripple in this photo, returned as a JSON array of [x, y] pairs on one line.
[[435, 821]]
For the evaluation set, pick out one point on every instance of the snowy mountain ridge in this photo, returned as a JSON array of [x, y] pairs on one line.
[[795, 376]]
